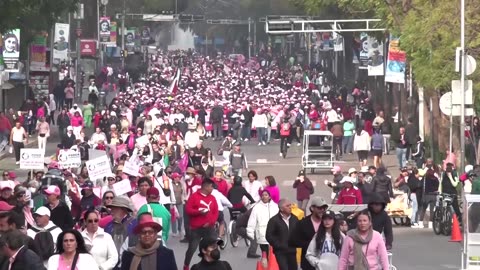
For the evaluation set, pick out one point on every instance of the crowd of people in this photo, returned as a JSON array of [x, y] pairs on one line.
[[160, 123]]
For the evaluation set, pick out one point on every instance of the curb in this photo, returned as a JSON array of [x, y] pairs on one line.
[[4, 154]]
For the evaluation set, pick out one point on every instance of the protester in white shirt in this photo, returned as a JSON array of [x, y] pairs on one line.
[[99, 243]]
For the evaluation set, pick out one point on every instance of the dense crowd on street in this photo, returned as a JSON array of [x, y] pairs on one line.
[[60, 218]]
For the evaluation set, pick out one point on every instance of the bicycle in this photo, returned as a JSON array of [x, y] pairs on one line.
[[224, 238], [443, 214], [232, 231]]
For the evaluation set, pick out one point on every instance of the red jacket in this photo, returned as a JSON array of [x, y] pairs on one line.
[[350, 196], [221, 186], [198, 202]]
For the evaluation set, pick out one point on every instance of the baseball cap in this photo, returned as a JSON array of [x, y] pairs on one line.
[[328, 214], [153, 191], [5, 206], [6, 185], [175, 175], [206, 242], [87, 185], [319, 202], [52, 190], [336, 169], [69, 128], [301, 172], [42, 211]]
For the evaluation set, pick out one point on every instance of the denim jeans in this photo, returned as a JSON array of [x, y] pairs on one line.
[[347, 144], [246, 132], [386, 143], [261, 134], [178, 222], [414, 216], [402, 156], [269, 134]]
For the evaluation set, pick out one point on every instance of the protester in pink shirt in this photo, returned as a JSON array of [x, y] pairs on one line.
[[363, 247], [272, 188]]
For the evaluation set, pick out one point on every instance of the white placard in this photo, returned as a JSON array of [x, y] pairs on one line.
[[98, 168], [69, 159], [122, 187], [131, 168], [32, 159]]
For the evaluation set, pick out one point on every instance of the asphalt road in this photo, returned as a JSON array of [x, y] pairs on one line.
[[416, 249]]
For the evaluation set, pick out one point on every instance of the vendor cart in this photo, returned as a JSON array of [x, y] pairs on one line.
[[317, 150], [399, 209]]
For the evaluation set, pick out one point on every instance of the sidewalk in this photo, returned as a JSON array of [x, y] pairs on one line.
[[32, 142]]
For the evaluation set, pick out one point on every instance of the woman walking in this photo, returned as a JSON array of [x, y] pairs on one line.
[[304, 188], [43, 129], [361, 145], [363, 248], [324, 249]]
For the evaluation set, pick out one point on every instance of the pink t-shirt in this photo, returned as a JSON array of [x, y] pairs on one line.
[[62, 265], [316, 224]]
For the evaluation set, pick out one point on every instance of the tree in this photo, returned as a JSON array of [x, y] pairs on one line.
[[32, 16], [429, 32]]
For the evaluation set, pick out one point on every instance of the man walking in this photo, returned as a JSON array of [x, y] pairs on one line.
[[279, 229], [202, 209]]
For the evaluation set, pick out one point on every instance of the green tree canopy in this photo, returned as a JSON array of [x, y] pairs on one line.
[[429, 31]]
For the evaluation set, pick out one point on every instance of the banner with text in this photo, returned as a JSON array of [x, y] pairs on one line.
[[11, 50], [32, 159], [98, 168], [396, 62], [38, 53], [61, 38], [69, 159]]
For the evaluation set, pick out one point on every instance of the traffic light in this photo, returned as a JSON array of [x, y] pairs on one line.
[[123, 53]]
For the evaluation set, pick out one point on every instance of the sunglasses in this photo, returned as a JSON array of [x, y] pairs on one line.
[[108, 198], [92, 221], [112, 179], [5, 174]]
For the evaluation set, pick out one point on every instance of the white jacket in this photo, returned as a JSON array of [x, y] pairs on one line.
[[257, 223], [222, 201], [362, 142], [260, 121], [85, 262], [253, 188], [191, 139], [321, 260], [55, 232], [103, 249]]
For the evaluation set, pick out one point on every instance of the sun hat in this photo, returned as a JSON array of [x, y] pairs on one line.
[[147, 222], [120, 202]]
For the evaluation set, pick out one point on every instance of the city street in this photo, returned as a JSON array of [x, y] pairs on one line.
[[413, 248]]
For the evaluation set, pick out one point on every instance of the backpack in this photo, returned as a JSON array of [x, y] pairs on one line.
[[44, 242], [377, 142], [285, 129]]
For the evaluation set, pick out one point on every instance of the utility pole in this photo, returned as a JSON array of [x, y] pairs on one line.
[[462, 85], [123, 32], [249, 37]]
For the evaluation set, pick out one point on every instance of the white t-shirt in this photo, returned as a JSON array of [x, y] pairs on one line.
[[18, 134]]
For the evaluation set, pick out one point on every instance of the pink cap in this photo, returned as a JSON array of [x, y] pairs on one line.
[[12, 175], [5, 206], [52, 190], [336, 169]]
